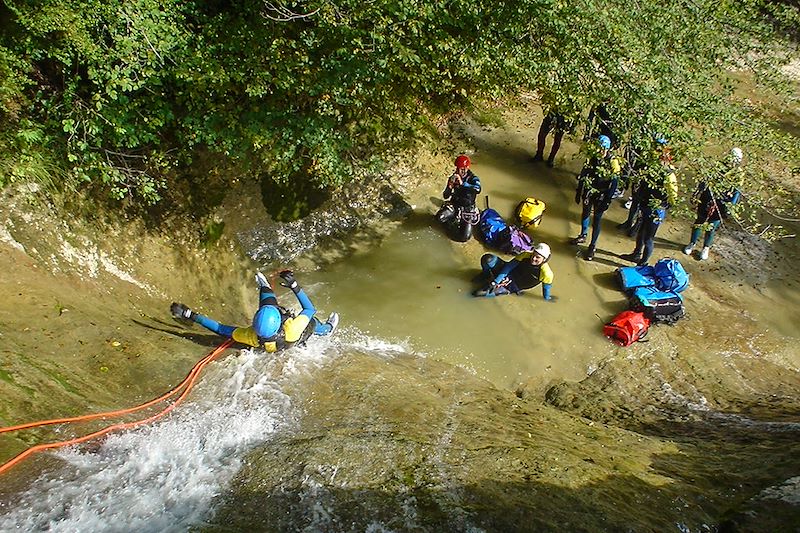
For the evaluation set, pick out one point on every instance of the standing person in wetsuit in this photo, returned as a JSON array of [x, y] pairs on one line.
[[459, 212], [596, 185], [559, 124], [638, 159], [524, 271], [713, 206], [600, 122], [274, 328], [659, 190]]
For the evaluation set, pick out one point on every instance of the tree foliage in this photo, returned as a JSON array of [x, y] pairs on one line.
[[122, 94]]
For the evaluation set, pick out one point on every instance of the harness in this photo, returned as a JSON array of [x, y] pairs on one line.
[[470, 215]]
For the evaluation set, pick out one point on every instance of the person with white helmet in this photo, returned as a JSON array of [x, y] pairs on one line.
[[597, 184], [274, 328], [714, 198], [523, 272]]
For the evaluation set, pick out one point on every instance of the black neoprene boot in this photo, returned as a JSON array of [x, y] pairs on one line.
[[181, 311]]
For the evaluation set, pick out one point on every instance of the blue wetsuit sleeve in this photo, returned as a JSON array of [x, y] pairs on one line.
[[546, 290], [213, 325], [508, 267], [473, 183], [305, 302]]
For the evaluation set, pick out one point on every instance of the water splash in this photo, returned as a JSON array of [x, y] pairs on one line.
[[164, 477]]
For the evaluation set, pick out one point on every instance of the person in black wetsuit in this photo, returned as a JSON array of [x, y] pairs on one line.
[[596, 185], [459, 212], [524, 271], [559, 124], [659, 191]]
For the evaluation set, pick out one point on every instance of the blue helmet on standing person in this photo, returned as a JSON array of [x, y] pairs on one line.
[[604, 141]]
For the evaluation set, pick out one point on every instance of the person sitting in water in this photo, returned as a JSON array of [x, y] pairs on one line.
[[274, 328], [524, 271]]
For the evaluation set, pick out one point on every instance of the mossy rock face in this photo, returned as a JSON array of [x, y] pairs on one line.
[[291, 199]]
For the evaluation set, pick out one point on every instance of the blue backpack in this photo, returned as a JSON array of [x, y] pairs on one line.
[[490, 226], [670, 275], [496, 233]]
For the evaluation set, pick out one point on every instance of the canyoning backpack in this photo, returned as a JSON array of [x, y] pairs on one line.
[[627, 327], [633, 277], [663, 307], [670, 275], [495, 232], [529, 212], [666, 275], [490, 225]]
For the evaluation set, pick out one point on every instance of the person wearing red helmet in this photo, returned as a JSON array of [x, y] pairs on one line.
[[459, 212]]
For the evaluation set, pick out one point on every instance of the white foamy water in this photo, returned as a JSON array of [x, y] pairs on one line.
[[165, 476]]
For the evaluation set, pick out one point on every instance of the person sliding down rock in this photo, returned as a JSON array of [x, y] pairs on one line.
[[274, 328], [525, 271]]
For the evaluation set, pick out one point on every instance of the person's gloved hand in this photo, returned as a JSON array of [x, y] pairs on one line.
[[262, 281], [289, 281]]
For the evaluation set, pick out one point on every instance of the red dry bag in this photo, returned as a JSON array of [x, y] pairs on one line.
[[627, 328]]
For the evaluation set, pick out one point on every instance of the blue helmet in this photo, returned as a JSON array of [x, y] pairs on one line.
[[267, 321], [604, 141]]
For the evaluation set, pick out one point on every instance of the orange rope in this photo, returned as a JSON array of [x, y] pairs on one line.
[[188, 382]]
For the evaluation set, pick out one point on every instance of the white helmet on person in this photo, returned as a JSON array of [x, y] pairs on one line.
[[737, 155], [542, 249]]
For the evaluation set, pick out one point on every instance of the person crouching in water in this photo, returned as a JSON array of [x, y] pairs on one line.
[[274, 328], [459, 212], [525, 271]]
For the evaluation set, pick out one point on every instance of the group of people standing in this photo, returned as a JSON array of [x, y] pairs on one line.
[[646, 169]]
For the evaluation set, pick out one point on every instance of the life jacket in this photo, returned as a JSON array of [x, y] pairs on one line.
[[529, 212], [278, 342], [627, 327]]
